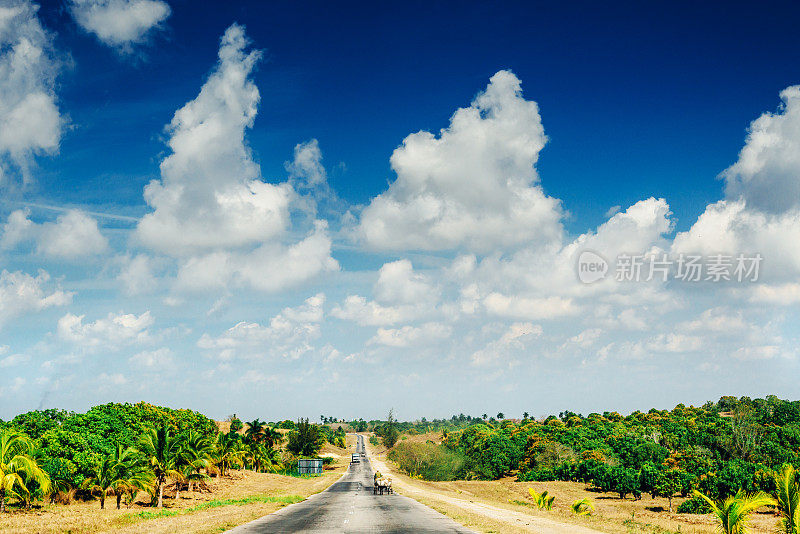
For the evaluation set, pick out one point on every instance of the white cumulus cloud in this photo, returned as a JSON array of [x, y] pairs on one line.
[[21, 293], [110, 332], [30, 121], [119, 23], [767, 173], [289, 334], [74, 234], [211, 209], [474, 186]]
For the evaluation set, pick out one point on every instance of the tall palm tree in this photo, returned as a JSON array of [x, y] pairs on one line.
[[787, 496], [162, 454], [17, 469], [733, 513], [255, 430]]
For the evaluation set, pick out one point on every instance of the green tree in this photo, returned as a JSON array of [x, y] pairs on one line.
[[306, 440], [195, 456], [389, 432], [236, 424], [109, 476], [272, 437], [162, 454], [133, 473], [733, 513], [255, 430], [787, 496], [227, 452], [667, 485], [18, 470]]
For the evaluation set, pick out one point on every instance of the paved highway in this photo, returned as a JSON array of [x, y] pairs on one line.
[[349, 506]]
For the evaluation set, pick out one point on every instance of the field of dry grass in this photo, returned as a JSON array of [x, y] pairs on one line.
[[504, 505], [232, 500]]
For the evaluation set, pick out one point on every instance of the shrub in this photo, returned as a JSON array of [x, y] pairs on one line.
[[429, 461], [695, 505]]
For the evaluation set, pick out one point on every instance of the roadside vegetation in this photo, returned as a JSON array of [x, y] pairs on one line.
[[726, 459], [130, 457]]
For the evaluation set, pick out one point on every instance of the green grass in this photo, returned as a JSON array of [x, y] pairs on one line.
[[216, 503]]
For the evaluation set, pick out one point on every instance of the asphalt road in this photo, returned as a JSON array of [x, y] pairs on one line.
[[349, 506]]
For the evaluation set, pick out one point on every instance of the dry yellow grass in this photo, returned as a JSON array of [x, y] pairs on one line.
[[86, 517]]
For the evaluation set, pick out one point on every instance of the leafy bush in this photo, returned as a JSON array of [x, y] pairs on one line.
[[429, 461], [695, 505]]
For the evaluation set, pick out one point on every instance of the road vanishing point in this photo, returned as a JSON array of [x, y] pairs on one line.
[[350, 506]]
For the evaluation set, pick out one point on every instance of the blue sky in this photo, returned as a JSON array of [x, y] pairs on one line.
[[299, 242]]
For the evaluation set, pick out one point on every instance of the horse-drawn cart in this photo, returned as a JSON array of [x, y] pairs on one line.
[[382, 484]]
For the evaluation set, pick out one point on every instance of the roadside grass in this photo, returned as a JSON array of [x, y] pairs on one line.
[[216, 503]]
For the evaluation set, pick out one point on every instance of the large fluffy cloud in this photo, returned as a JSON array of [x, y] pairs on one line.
[[210, 194], [74, 234], [30, 122], [761, 214], [212, 210], [119, 23], [767, 173], [474, 186], [110, 332], [401, 294], [21, 293]]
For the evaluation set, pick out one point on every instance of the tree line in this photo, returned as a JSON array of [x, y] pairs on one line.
[[121, 449]]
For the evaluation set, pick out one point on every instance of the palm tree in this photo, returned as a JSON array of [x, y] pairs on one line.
[[582, 507], [17, 468], [227, 450], [255, 430], [733, 513], [196, 455], [501, 416], [105, 479], [162, 454], [272, 437], [787, 497], [542, 500], [132, 473], [256, 455]]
